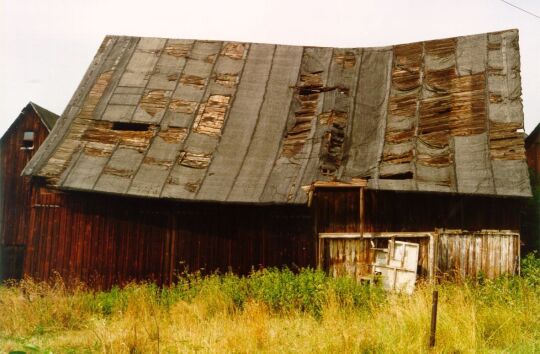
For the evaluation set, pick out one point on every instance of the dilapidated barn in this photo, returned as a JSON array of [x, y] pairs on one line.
[[207, 155]]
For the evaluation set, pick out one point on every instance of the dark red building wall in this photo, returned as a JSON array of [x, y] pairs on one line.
[[533, 155], [338, 211], [106, 240], [15, 192], [531, 219]]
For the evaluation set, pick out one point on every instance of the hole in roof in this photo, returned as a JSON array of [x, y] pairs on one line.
[[137, 127], [404, 175]]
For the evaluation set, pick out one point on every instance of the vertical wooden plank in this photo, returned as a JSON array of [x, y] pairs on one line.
[[49, 238], [362, 211]]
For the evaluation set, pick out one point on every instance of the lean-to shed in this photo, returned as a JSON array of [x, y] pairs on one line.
[[224, 155]]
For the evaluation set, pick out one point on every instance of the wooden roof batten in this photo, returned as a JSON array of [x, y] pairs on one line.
[[258, 123]]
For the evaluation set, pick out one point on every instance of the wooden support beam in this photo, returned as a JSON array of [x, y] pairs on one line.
[[362, 208], [320, 253], [354, 183], [374, 235]]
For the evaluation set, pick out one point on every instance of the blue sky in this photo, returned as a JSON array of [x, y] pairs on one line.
[[46, 46]]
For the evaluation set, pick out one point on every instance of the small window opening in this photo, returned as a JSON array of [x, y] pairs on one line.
[[137, 127], [404, 175], [28, 140]]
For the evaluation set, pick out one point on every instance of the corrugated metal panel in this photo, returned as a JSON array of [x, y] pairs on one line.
[[240, 122]]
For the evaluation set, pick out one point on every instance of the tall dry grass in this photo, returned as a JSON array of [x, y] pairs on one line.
[[272, 311]]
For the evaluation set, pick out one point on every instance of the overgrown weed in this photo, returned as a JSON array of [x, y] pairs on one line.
[[272, 310]]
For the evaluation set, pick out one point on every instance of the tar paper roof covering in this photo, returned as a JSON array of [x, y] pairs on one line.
[[48, 118], [249, 122]]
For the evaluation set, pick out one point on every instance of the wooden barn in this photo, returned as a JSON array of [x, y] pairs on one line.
[[530, 227], [532, 146], [17, 146], [209, 155]]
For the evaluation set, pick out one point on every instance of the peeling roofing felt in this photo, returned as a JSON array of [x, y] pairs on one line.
[[247, 122]]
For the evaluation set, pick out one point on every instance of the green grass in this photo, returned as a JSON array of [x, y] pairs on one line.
[[272, 310]]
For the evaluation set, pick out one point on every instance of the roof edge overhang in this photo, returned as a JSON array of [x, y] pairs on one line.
[[336, 187]]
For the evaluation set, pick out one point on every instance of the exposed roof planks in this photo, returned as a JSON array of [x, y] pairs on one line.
[[253, 123]]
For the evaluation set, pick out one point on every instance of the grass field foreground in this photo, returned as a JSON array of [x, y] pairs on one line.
[[274, 311]]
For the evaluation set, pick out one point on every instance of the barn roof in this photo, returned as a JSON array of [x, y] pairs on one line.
[[249, 122], [533, 137], [47, 117]]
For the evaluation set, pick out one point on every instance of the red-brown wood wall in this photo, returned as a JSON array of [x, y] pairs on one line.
[[15, 192], [391, 211], [105, 240], [533, 154], [337, 211]]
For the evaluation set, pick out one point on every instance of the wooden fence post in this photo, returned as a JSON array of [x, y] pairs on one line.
[[433, 318]]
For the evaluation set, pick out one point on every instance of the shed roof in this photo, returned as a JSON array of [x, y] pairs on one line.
[[250, 122]]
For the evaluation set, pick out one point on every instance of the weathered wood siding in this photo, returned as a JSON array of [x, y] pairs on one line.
[[390, 211], [533, 156], [532, 148], [458, 254], [15, 192], [106, 240], [466, 251], [491, 253], [355, 255]]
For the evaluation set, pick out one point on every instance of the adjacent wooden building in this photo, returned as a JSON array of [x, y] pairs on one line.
[[530, 227], [210, 155], [17, 146], [532, 146]]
